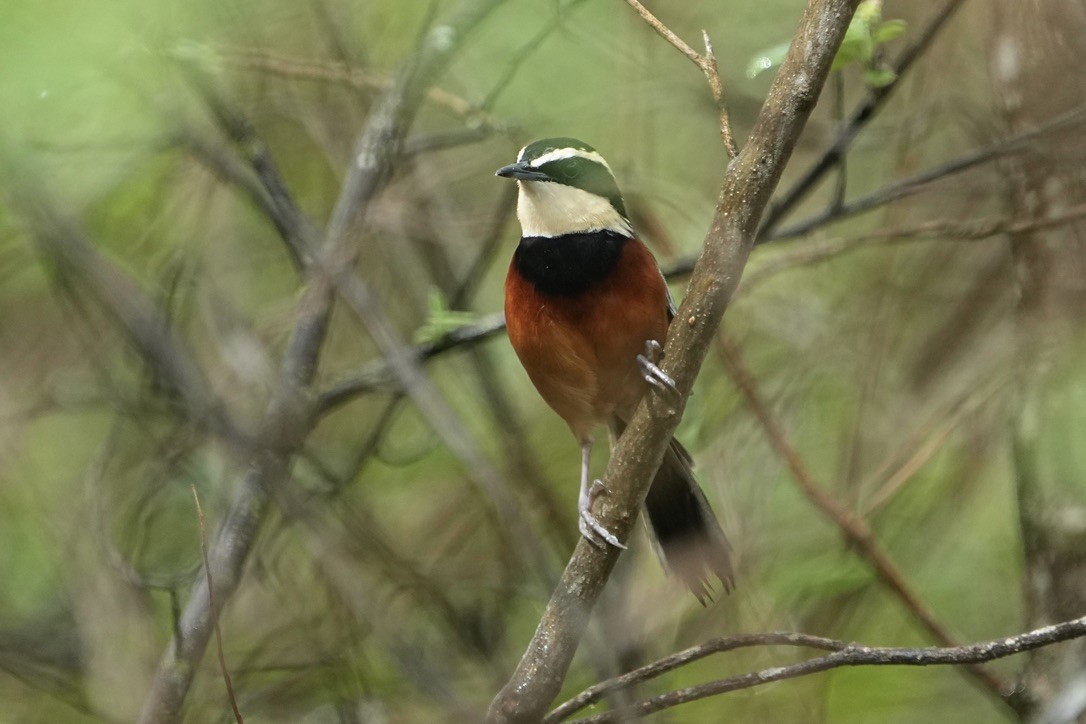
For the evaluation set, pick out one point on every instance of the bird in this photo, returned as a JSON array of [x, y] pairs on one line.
[[586, 310]]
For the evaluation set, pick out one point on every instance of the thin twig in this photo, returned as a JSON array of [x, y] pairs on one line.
[[596, 692], [707, 64], [325, 71], [953, 230], [856, 655], [270, 191], [525, 52], [895, 481], [215, 610], [859, 118], [917, 182], [378, 376], [857, 530]]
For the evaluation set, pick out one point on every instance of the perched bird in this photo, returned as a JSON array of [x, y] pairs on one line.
[[583, 299]]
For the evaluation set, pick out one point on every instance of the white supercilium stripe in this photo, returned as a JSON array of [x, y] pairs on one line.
[[561, 153]]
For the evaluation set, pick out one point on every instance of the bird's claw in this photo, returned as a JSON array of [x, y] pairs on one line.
[[652, 373], [591, 528]]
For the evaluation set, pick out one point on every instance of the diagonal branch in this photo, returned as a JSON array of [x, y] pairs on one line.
[[723, 644], [749, 181], [856, 529], [847, 655], [289, 417], [860, 117], [65, 247], [915, 183]]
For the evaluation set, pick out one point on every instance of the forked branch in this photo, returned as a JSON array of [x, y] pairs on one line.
[[749, 181]]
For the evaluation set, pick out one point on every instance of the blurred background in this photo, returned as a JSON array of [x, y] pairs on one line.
[[913, 325]]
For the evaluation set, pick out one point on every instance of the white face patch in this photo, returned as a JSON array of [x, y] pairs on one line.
[[546, 208]]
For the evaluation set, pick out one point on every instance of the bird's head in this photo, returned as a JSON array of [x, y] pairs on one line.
[[566, 187]]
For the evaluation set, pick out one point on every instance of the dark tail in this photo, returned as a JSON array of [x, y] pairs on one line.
[[690, 540]]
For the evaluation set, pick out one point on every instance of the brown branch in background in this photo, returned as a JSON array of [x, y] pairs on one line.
[[596, 692], [917, 182], [214, 609], [326, 71], [858, 119], [847, 654], [560, 16], [377, 376], [75, 258], [748, 184], [856, 530], [707, 64], [922, 451], [269, 191], [289, 417], [955, 230]]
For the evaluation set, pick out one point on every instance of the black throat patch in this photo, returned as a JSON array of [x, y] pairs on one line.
[[570, 264]]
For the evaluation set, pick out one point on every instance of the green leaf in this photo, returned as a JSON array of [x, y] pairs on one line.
[[862, 39], [441, 320], [890, 30], [868, 13], [879, 77]]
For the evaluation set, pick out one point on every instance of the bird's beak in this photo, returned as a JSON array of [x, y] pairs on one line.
[[522, 172]]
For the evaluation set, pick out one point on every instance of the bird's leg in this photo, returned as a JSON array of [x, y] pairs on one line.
[[653, 374], [590, 527]]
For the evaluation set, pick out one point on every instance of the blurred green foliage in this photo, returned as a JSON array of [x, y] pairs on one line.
[[866, 35], [389, 593]]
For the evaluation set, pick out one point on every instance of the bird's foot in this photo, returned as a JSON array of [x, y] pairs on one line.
[[591, 528], [652, 373]]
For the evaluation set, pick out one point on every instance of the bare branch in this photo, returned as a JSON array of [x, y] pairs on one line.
[[952, 230], [707, 64], [215, 610], [912, 184], [648, 672], [666, 33], [65, 245], [856, 529], [749, 181], [268, 190], [289, 415], [860, 117], [378, 376], [325, 71], [853, 655]]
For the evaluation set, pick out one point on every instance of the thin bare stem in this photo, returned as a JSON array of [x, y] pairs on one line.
[[913, 184], [707, 64], [695, 653], [858, 119], [952, 230], [855, 655], [215, 610], [894, 482], [857, 530]]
